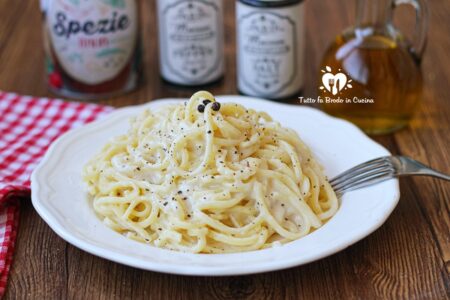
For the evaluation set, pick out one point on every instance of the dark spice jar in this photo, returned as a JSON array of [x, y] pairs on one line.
[[270, 47], [92, 47]]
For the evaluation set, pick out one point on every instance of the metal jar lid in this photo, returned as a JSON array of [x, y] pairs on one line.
[[270, 3]]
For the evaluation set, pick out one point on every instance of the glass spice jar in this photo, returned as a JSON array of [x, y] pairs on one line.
[[191, 41], [92, 47], [270, 48]]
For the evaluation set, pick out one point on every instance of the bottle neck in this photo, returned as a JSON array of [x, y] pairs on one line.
[[374, 14]]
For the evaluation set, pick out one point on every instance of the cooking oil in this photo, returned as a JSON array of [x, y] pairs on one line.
[[385, 82]]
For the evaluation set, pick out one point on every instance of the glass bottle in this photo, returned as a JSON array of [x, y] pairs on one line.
[[370, 75], [191, 41], [270, 48], [92, 47]]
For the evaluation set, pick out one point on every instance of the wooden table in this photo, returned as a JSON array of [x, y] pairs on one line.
[[409, 256]]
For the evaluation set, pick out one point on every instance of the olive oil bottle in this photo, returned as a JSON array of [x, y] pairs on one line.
[[382, 84]]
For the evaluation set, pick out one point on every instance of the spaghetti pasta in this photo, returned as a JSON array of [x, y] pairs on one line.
[[206, 177]]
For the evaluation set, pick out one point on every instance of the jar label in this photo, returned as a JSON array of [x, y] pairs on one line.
[[191, 40], [269, 59], [92, 40]]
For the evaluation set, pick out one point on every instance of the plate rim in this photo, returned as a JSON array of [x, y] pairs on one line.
[[196, 270]]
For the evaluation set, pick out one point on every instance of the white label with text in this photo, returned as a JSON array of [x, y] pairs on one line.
[[92, 40]]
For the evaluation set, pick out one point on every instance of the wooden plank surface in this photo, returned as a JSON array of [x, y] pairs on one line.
[[408, 257]]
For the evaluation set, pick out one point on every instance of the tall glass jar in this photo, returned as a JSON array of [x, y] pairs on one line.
[[191, 41], [270, 48], [92, 47]]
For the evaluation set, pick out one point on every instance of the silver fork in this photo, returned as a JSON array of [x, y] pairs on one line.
[[381, 169]]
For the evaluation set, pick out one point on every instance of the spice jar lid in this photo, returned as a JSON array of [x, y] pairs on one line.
[[270, 3]]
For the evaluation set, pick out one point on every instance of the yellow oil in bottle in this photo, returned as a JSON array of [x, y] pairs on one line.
[[381, 72]]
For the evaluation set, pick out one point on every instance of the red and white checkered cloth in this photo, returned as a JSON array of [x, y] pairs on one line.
[[27, 127]]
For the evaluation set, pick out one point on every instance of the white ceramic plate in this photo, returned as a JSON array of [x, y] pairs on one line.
[[60, 197]]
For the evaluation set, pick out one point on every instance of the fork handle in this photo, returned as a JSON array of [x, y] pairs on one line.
[[383, 177], [426, 172], [413, 167]]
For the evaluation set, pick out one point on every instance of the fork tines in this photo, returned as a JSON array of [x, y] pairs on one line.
[[363, 175]]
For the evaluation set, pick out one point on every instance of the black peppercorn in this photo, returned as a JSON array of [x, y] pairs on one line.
[[206, 102], [201, 108], [215, 106]]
